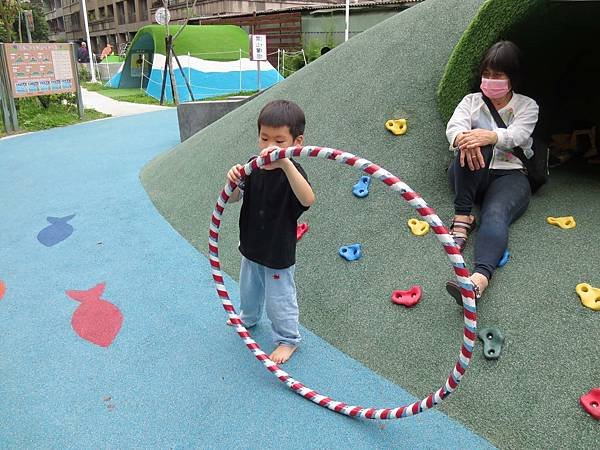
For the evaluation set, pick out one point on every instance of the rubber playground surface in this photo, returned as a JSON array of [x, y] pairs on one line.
[[164, 371]]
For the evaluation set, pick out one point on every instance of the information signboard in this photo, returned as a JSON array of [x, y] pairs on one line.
[[40, 69], [258, 47]]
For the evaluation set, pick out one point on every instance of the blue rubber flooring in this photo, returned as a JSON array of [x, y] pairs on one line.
[[175, 375]]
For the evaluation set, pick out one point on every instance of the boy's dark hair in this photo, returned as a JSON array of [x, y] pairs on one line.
[[282, 113], [504, 56]]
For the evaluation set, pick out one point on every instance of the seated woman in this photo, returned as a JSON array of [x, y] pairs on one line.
[[484, 170]]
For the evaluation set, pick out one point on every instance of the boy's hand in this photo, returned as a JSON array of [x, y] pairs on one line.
[[234, 173], [279, 164]]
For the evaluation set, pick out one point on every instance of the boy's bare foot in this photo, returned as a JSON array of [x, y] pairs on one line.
[[282, 353]]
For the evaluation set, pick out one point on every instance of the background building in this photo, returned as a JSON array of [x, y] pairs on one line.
[[117, 21]]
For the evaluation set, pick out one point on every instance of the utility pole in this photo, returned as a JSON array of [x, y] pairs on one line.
[[89, 42]]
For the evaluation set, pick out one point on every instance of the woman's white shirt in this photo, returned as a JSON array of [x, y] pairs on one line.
[[520, 116]]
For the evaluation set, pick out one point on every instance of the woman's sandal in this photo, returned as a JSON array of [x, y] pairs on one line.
[[454, 290], [460, 237]]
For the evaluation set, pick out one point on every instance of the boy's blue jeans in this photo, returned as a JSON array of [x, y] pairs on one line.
[[274, 288], [503, 196]]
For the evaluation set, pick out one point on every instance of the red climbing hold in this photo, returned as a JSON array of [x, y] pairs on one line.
[[2, 289], [95, 320], [591, 403], [407, 298], [301, 228]]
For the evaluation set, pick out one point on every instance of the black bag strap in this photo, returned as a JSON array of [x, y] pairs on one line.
[[517, 151]]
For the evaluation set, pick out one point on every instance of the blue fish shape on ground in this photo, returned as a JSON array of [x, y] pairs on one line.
[[57, 231]]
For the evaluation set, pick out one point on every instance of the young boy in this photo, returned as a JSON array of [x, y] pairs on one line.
[[273, 199]]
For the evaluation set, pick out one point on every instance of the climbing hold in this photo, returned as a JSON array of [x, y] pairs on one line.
[[418, 227], [590, 402], [590, 296], [397, 126], [504, 258], [565, 222], [351, 252], [407, 298], [2, 289], [492, 342], [361, 189], [301, 228]]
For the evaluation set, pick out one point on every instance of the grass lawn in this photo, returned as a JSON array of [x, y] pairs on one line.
[[34, 117], [132, 95], [137, 95]]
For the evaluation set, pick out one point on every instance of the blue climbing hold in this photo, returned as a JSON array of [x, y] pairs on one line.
[[504, 258], [351, 252], [58, 231], [361, 189]]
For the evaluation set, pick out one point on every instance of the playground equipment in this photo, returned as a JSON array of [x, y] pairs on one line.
[[418, 227], [504, 258], [590, 402], [428, 213], [492, 342], [565, 222], [590, 296], [397, 126], [361, 189], [301, 228], [351, 252], [408, 298]]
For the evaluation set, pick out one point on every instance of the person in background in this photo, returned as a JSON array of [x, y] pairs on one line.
[[82, 53], [106, 51]]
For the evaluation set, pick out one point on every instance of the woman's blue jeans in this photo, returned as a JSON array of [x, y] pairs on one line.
[[502, 195]]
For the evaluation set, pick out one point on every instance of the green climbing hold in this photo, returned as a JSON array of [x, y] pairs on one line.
[[492, 342]]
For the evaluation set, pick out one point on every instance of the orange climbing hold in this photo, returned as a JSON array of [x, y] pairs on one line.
[[590, 296], [2, 289]]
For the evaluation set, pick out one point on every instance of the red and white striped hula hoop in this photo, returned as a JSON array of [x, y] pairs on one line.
[[452, 250]]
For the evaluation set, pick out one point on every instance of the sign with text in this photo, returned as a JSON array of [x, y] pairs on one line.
[[40, 69], [258, 47]]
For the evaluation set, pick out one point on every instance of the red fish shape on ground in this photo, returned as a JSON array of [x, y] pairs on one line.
[[2, 289], [95, 320]]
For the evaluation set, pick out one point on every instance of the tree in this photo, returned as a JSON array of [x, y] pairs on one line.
[[41, 30], [9, 10]]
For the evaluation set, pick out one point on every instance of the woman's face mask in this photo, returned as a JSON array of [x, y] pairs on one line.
[[495, 88]]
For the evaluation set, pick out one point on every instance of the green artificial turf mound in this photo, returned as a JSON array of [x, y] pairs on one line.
[[526, 399]]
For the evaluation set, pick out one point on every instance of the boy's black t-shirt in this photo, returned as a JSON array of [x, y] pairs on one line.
[[268, 218]]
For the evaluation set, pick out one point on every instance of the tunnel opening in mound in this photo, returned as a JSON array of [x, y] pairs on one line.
[[561, 64]]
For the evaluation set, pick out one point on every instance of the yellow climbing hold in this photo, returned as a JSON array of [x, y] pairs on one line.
[[397, 126], [565, 222], [590, 296], [418, 227]]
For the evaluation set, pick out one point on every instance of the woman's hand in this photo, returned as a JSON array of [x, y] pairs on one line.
[[476, 138], [234, 173], [473, 158], [470, 142]]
